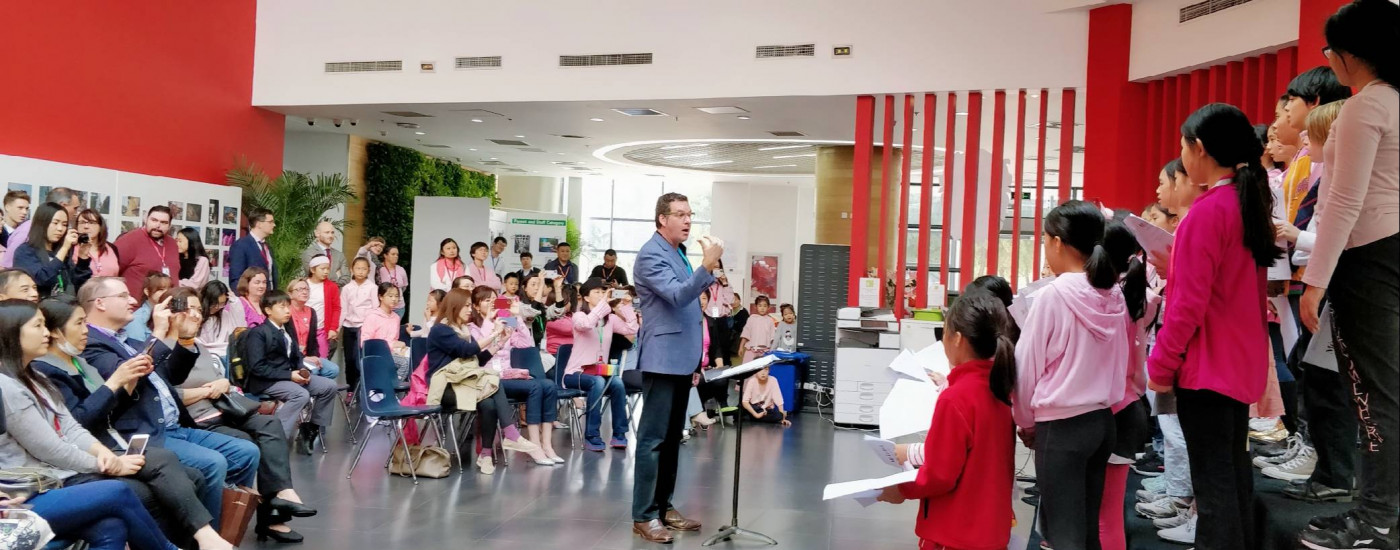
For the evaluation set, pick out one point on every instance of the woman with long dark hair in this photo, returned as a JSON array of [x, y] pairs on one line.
[[102, 253], [194, 262], [223, 313], [51, 255], [541, 396], [1211, 350]]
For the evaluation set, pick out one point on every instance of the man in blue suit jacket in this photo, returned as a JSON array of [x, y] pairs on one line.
[[668, 355], [252, 250]]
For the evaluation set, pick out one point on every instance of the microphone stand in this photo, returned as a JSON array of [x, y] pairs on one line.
[[730, 531]]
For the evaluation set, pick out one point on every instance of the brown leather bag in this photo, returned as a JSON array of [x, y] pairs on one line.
[[240, 503], [429, 461]]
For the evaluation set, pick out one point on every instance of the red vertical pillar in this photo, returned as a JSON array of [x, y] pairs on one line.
[[1020, 176], [887, 150], [950, 143], [1312, 15], [968, 236], [1171, 148], [1200, 88], [1217, 83], [996, 190], [860, 195], [1067, 142], [1183, 98], [1287, 69], [1153, 145], [1040, 179], [1250, 103], [925, 201], [1268, 98], [1113, 137], [900, 253], [1234, 83]]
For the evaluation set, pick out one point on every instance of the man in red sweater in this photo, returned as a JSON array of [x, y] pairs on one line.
[[142, 251]]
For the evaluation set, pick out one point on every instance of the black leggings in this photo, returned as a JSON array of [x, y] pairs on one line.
[[1217, 431], [494, 411], [350, 344], [1071, 455]]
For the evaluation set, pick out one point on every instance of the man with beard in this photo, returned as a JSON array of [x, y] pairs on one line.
[[146, 250]]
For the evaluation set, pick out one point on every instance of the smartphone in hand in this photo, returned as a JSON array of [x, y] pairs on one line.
[[137, 445]]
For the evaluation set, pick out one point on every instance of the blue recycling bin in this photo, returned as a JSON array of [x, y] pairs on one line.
[[789, 371]]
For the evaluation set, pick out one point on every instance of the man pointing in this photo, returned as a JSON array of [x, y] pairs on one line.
[[668, 354]]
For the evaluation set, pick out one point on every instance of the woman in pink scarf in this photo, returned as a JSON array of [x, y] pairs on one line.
[[448, 266]]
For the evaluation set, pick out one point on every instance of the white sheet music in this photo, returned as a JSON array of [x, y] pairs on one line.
[[908, 408], [867, 488], [1150, 237]]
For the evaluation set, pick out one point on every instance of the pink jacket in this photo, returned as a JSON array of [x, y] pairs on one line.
[[380, 326], [591, 343], [1213, 334], [1137, 363], [1074, 351], [500, 349]]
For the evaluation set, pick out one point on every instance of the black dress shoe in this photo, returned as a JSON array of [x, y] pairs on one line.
[[264, 533], [292, 508], [307, 439]]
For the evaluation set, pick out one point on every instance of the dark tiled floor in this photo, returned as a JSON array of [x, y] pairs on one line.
[[586, 503]]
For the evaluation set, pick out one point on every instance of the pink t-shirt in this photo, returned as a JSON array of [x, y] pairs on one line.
[[766, 394], [759, 332]]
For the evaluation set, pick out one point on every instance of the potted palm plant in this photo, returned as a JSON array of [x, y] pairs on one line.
[[298, 201]]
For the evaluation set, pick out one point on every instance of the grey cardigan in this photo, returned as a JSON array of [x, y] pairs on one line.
[[30, 440]]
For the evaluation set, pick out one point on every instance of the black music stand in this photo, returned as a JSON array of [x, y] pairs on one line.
[[738, 373]]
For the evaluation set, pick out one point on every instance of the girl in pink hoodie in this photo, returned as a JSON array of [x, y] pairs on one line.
[[1211, 350], [1071, 367]]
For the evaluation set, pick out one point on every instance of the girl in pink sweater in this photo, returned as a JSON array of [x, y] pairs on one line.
[[1211, 350], [1071, 367]]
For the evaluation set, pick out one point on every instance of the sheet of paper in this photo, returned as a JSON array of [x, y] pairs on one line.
[[1035, 286], [884, 449], [1151, 237], [867, 488], [1020, 308], [1320, 351], [1287, 325], [933, 359], [908, 408], [907, 364]]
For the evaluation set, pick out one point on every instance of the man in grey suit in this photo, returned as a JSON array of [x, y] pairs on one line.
[[668, 355], [325, 237]]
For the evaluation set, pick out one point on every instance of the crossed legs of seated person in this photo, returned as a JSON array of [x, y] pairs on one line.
[[280, 501], [541, 399], [494, 412]]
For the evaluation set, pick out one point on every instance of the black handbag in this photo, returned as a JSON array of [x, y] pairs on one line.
[[235, 407]]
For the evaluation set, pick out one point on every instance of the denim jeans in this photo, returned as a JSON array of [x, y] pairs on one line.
[[105, 514], [329, 370], [220, 458], [1175, 463], [541, 398], [596, 386]]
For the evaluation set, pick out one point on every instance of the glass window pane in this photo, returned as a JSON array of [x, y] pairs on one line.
[[911, 247], [699, 194], [631, 235], [597, 198], [636, 198]]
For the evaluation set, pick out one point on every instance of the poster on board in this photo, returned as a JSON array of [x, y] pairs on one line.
[[763, 276], [528, 231]]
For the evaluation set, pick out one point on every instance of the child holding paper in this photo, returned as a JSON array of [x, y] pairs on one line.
[[758, 332], [969, 455]]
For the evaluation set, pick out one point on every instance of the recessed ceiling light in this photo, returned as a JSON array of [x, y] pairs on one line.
[[639, 111], [1033, 96], [595, 119], [722, 110], [420, 133], [742, 117], [778, 166], [684, 145], [561, 153], [476, 120], [964, 113], [492, 158], [686, 156], [775, 148], [794, 156], [709, 162], [520, 137], [471, 149]]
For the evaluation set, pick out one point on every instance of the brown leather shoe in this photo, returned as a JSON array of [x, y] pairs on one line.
[[652, 531], [674, 520]]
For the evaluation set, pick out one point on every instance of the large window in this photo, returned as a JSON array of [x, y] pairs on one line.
[[618, 214]]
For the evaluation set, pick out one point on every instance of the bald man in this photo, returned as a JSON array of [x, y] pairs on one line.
[[325, 237]]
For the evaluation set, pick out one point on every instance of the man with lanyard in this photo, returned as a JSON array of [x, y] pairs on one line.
[[561, 266], [497, 259], [325, 237], [611, 274], [141, 252], [151, 408]]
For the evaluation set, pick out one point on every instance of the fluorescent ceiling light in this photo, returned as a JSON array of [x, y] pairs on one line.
[[686, 156], [794, 156], [420, 133], [471, 149], [684, 145], [722, 110], [520, 137], [707, 163], [742, 117], [476, 120], [782, 147], [778, 166], [595, 119]]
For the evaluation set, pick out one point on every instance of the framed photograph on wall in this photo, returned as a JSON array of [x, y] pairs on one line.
[[763, 276]]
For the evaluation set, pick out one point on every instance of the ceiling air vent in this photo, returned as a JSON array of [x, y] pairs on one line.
[[640, 112], [407, 114], [794, 50], [604, 60], [484, 62], [435, 145], [509, 142], [364, 66], [787, 133], [1202, 9], [517, 170], [570, 136], [533, 150], [407, 125], [492, 163]]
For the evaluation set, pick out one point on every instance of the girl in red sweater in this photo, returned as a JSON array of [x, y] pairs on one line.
[[969, 454]]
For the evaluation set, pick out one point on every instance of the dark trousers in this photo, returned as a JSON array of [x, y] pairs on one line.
[[494, 411], [350, 345], [664, 397], [1331, 425], [168, 489], [1365, 295], [717, 390], [1071, 455], [106, 514], [1217, 430], [274, 468], [541, 398], [771, 415], [1287, 384]]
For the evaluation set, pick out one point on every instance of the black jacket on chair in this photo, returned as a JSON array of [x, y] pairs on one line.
[[270, 360]]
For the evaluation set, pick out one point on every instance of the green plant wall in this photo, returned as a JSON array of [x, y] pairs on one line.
[[395, 175]]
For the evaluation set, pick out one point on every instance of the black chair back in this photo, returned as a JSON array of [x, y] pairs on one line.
[[561, 361], [528, 359]]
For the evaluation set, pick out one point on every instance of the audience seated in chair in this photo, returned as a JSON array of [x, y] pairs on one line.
[[275, 369], [594, 326], [310, 335], [540, 396]]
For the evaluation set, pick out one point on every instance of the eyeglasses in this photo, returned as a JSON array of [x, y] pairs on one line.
[[681, 215], [124, 295]]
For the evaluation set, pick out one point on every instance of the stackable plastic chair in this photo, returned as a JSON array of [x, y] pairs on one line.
[[377, 379]]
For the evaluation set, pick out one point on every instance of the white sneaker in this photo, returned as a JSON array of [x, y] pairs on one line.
[[1162, 508], [1146, 496], [1175, 521], [1154, 484], [1299, 468], [1184, 533], [1295, 444], [1263, 424], [485, 465]]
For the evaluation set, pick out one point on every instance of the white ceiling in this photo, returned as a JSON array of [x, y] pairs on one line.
[[819, 118]]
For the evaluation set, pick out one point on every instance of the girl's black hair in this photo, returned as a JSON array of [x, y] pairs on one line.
[[1176, 168], [39, 234], [190, 259], [1224, 131], [1368, 30], [1261, 131], [384, 288], [1318, 86], [209, 299], [1080, 226], [981, 318], [996, 285], [1123, 251], [14, 314], [58, 309], [569, 298]]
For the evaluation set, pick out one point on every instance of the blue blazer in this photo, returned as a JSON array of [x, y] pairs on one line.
[[670, 339], [246, 253], [139, 412]]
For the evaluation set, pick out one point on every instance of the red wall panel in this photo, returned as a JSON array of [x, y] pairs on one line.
[[1040, 178], [155, 88], [1113, 150], [1020, 167], [949, 147], [1250, 104], [1312, 14], [886, 150], [1066, 143], [1234, 83], [1200, 88], [968, 236], [998, 175], [860, 196], [925, 201], [902, 215]]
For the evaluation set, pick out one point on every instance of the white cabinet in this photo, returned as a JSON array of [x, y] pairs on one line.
[[863, 380]]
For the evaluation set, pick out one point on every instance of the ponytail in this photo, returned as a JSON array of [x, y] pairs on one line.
[[1256, 211], [1226, 135], [980, 317], [1003, 378], [1100, 270], [1123, 251], [1080, 225]]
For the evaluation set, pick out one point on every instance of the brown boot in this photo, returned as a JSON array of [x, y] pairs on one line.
[[674, 520], [652, 531]]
